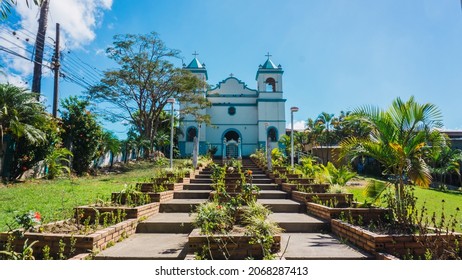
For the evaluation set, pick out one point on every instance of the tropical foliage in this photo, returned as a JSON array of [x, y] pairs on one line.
[[82, 133], [24, 122], [399, 138]]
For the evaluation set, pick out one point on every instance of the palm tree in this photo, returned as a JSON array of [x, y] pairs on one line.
[[398, 139], [109, 144], [20, 116], [6, 5], [444, 160], [326, 123]]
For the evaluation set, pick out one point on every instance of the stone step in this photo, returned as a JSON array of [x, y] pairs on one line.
[[167, 223], [197, 186], [201, 181], [268, 187], [262, 181], [152, 246], [282, 205], [180, 205], [317, 246], [299, 222], [272, 194], [202, 176], [191, 194]]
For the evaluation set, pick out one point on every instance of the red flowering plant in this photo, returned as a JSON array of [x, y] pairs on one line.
[[28, 220]]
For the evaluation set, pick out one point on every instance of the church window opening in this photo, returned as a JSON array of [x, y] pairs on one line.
[[272, 134], [270, 85], [232, 111], [190, 134]]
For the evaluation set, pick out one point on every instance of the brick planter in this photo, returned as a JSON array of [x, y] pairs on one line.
[[230, 194], [174, 186], [365, 214], [315, 188], [397, 245], [236, 244], [153, 197], [98, 240], [331, 199], [137, 212]]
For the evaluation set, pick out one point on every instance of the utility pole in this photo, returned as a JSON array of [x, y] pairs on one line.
[[39, 47], [56, 69]]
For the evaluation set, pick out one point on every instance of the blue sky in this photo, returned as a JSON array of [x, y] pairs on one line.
[[336, 54]]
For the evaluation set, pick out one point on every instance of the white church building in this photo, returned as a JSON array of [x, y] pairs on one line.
[[242, 119]]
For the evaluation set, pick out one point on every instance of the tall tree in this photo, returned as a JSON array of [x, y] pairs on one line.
[[82, 134], [326, 123], [139, 90]]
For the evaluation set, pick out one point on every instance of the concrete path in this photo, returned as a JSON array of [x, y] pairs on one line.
[[148, 246], [317, 246]]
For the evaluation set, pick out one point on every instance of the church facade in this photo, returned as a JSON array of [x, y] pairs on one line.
[[242, 119]]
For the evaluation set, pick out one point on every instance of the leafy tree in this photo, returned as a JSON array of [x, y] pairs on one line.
[[22, 118], [398, 140], [82, 133], [145, 80]]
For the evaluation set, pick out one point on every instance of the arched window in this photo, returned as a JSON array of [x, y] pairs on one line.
[[270, 85], [272, 134], [231, 135], [190, 134]]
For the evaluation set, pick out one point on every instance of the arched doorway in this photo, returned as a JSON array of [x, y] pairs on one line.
[[231, 144]]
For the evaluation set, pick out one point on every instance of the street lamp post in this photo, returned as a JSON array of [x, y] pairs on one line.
[[171, 101], [292, 110], [268, 155]]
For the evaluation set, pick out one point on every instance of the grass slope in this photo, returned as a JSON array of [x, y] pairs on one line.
[[433, 200], [55, 199]]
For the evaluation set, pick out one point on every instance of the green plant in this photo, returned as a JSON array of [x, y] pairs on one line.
[[26, 254], [62, 248], [57, 162], [46, 253], [213, 217], [82, 131], [262, 230], [27, 221]]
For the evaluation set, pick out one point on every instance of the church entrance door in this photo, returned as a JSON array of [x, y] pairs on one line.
[[231, 144]]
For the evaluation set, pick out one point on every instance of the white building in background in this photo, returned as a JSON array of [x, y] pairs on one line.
[[242, 119]]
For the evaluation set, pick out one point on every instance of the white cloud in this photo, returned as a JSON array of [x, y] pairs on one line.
[[100, 52], [298, 125], [78, 20]]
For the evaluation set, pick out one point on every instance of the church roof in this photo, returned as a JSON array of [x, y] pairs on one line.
[[195, 64], [196, 67], [269, 65]]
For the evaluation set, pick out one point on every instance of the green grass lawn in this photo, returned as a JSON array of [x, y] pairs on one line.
[[55, 199], [433, 200]]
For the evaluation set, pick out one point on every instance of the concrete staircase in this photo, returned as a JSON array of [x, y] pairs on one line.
[[165, 235]]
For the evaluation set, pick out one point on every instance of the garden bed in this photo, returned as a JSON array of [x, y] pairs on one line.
[[236, 244], [315, 188], [153, 197], [331, 199], [73, 243], [137, 212], [364, 214], [397, 245]]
